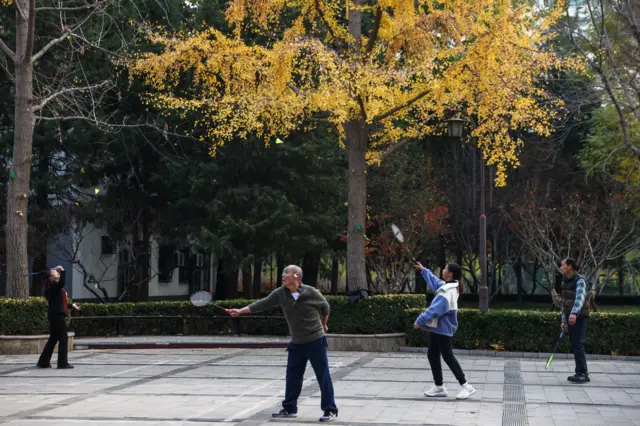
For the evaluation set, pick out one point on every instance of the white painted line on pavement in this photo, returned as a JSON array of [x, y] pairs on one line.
[[120, 372], [269, 400], [227, 401]]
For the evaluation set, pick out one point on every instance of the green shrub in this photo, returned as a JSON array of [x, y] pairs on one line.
[[199, 321], [508, 330], [19, 316], [377, 314], [534, 331]]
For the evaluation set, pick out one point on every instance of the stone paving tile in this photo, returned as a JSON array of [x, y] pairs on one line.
[[238, 386], [118, 422], [56, 385]]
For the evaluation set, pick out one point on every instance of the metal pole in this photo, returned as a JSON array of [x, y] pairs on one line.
[[483, 292]]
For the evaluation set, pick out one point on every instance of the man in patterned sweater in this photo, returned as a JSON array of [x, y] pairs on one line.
[[576, 307]]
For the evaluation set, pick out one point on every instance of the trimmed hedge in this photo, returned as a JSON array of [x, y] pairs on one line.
[[377, 314], [24, 317], [534, 331], [508, 330]]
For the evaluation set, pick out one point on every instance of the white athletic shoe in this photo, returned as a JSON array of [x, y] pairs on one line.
[[436, 391], [466, 391]]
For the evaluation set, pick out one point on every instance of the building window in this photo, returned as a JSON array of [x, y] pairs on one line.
[[108, 245], [166, 264]]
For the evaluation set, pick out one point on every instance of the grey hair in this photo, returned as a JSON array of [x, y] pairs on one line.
[[296, 270]]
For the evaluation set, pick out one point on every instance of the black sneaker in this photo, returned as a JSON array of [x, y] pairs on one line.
[[284, 413], [64, 367], [43, 365], [579, 378], [329, 416]]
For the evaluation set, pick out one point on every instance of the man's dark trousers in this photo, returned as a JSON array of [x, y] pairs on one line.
[[578, 336], [316, 353], [57, 334]]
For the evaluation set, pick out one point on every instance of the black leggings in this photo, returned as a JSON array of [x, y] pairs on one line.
[[58, 334], [441, 345]]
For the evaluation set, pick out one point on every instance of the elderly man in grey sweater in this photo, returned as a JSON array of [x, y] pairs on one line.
[[307, 312]]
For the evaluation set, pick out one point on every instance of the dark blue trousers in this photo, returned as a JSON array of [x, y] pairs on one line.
[[316, 353]]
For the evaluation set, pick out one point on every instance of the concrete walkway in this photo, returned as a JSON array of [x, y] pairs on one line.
[[238, 386]]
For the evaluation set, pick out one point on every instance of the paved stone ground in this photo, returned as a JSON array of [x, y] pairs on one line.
[[242, 387]]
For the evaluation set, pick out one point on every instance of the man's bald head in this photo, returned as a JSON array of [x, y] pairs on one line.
[[296, 271], [292, 277]]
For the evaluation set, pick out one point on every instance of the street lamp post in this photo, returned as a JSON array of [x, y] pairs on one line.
[[455, 128]]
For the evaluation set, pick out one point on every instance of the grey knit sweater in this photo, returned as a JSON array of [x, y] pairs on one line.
[[303, 315]]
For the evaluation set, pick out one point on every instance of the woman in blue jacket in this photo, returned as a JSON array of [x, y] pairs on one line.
[[441, 321]]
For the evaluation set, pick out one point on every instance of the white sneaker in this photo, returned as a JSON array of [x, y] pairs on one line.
[[436, 391], [466, 391]]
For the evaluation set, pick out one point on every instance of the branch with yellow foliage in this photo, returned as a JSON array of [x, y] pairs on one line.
[[416, 64]]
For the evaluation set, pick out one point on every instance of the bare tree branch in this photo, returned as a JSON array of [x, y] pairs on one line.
[[374, 33], [7, 51], [31, 35], [323, 18], [69, 90], [293, 87], [392, 111], [21, 11], [64, 35], [393, 148], [72, 9], [49, 45]]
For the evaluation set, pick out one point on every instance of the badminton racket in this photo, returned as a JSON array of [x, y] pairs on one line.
[[398, 234], [554, 351], [203, 298]]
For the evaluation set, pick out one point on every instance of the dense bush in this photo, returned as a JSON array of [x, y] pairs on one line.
[[19, 316], [535, 331], [508, 330], [378, 314]]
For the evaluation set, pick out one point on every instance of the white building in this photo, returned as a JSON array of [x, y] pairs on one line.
[[90, 252]]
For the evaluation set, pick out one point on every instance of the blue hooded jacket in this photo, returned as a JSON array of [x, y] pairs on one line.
[[442, 315]]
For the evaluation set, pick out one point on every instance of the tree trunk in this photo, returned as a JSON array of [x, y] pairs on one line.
[[369, 277], [534, 275], [357, 138], [310, 269], [20, 173], [621, 281], [141, 261], [257, 278], [38, 281], [280, 260], [231, 280], [335, 269], [442, 253], [517, 269], [357, 205], [247, 281], [221, 280], [43, 232]]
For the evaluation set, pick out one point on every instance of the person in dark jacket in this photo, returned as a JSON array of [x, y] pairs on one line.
[[576, 307], [56, 313]]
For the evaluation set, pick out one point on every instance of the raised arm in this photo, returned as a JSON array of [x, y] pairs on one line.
[[57, 286], [434, 282]]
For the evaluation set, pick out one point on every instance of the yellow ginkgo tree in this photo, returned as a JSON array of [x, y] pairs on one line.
[[379, 72]]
